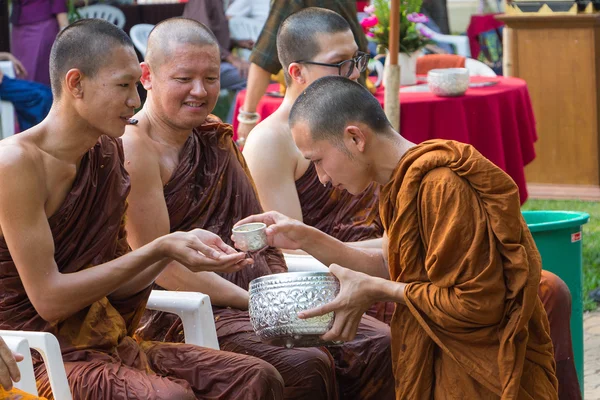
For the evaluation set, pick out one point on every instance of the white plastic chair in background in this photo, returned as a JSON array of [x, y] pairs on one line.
[[477, 68], [303, 263], [460, 43], [195, 312], [103, 11], [7, 110], [139, 36], [47, 345]]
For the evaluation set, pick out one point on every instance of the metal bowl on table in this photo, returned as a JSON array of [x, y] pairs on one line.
[[275, 301], [448, 82]]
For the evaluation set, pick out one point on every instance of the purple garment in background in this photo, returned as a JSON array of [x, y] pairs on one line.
[[34, 29], [31, 11], [31, 44]]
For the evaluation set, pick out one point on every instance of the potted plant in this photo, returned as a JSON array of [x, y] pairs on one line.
[[412, 37]]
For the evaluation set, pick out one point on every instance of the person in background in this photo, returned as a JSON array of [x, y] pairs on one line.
[[32, 100], [257, 10], [264, 61], [35, 26]]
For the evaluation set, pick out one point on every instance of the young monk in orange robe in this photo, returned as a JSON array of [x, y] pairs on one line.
[[65, 265], [186, 172], [464, 269]]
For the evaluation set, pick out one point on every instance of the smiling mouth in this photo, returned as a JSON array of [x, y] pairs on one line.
[[194, 104]]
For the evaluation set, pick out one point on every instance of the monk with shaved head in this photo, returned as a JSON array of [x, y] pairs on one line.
[[65, 265], [186, 173]]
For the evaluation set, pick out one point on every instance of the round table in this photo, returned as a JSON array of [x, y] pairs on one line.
[[497, 120]]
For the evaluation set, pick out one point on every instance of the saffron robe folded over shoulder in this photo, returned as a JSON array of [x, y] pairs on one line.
[[473, 325], [101, 359], [212, 189], [346, 217]]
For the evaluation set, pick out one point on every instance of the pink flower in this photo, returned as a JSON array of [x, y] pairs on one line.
[[369, 9], [369, 22], [417, 18], [370, 34]]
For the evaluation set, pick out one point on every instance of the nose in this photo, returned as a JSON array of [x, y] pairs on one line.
[[355, 73], [133, 101], [198, 88], [323, 177]]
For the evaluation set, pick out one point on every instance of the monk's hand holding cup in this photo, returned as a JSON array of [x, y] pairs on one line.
[[353, 300], [282, 232], [9, 371], [201, 250]]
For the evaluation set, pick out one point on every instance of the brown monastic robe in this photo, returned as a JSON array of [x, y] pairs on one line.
[[473, 326], [101, 358], [212, 189], [346, 217]]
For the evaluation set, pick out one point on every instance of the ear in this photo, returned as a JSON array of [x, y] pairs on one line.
[[146, 78], [73, 83], [297, 73], [355, 137]]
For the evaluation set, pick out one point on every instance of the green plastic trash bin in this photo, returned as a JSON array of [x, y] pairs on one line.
[[558, 236]]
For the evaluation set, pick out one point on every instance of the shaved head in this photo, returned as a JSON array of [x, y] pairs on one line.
[[175, 31], [331, 103], [86, 46]]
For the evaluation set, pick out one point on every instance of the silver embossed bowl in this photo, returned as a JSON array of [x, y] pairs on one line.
[[275, 301], [448, 82]]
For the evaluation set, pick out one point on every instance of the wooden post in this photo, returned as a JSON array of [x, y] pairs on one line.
[[392, 74]]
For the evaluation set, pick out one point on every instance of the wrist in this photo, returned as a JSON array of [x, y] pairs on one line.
[[248, 117]]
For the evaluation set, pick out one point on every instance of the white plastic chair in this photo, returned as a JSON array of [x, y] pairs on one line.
[[303, 263], [103, 11], [460, 43], [47, 345], [477, 68], [7, 110], [195, 312], [139, 36]]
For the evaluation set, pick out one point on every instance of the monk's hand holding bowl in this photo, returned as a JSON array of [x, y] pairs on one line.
[[201, 250], [9, 371], [353, 300], [282, 232]]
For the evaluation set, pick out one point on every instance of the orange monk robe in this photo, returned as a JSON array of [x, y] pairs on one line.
[[211, 188], [16, 394], [473, 326], [346, 217], [101, 359]]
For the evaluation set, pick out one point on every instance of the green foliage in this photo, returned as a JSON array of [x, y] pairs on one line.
[[410, 38]]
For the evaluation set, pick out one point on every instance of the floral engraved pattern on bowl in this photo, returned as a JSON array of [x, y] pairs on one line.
[[275, 303]]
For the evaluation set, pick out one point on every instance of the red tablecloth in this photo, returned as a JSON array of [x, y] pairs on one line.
[[497, 120]]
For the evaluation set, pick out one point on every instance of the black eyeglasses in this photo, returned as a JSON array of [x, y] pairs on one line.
[[345, 68]]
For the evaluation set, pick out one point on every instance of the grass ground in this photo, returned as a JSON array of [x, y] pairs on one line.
[[591, 239]]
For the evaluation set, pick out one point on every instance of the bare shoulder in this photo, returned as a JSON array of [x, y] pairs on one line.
[[272, 136], [20, 159], [139, 151]]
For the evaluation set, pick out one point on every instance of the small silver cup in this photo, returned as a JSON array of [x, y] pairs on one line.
[[250, 237]]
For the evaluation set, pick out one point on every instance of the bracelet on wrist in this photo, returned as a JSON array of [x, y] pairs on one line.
[[244, 119]]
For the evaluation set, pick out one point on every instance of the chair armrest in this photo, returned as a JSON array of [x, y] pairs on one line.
[[8, 69], [20, 345], [47, 345], [304, 263], [195, 312]]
